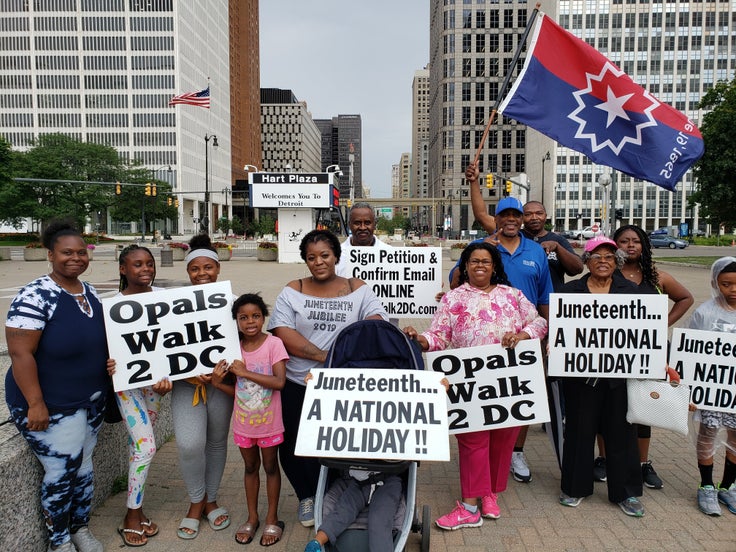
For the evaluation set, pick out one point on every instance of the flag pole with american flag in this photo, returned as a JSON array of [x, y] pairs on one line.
[[199, 99]]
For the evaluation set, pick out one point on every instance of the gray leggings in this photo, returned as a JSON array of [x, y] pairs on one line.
[[201, 437]]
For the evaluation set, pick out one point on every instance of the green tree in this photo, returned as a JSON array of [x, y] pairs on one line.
[[60, 157], [716, 170]]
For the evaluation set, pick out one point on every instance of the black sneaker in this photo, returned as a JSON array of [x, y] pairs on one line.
[[650, 477], [599, 469]]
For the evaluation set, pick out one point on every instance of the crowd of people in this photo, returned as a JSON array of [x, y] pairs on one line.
[[59, 380]]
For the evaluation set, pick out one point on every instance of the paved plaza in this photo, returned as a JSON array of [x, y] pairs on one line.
[[531, 517]]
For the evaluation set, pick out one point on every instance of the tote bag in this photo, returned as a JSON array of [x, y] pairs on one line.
[[658, 403]]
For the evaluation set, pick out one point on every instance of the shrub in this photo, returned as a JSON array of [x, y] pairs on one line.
[[179, 245], [267, 245], [459, 245], [34, 245]]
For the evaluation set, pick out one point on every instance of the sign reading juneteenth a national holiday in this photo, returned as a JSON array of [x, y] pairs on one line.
[[608, 335], [374, 414], [175, 333], [706, 361], [492, 387], [405, 279]]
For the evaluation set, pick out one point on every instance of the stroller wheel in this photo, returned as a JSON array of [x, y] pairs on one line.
[[425, 528]]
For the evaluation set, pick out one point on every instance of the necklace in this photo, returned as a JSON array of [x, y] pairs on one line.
[[80, 297]]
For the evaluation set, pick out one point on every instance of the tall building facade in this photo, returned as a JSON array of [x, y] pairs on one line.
[[290, 139], [420, 145], [245, 101], [103, 71], [472, 44], [342, 144]]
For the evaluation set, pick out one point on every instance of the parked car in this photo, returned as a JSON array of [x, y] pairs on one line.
[[667, 241], [569, 234], [659, 232], [586, 233], [698, 233]]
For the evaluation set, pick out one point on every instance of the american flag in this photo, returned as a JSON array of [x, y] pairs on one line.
[[200, 99]]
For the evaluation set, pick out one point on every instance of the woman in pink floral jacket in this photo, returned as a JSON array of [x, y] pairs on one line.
[[483, 310]]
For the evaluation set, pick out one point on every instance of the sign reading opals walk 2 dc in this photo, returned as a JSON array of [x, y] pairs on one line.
[[289, 190], [405, 279]]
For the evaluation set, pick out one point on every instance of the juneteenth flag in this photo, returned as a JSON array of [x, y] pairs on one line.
[[200, 99], [572, 93]]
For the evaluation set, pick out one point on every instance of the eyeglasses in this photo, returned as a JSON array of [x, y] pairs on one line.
[[480, 262], [596, 257]]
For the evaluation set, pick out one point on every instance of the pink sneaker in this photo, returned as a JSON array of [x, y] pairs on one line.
[[489, 507], [459, 518]]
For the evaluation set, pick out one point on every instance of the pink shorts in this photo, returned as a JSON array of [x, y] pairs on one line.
[[263, 442]]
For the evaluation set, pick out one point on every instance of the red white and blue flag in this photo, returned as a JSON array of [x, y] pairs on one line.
[[572, 93], [200, 99]]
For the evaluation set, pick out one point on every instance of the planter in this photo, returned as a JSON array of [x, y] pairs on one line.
[[267, 254], [90, 254], [224, 253], [178, 253], [35, 254], [455, 254]]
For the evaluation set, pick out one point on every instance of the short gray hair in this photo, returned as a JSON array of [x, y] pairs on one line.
[[620, 257], [361, 205]]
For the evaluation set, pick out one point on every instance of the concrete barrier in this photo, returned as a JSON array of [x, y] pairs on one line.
[[21, 524]]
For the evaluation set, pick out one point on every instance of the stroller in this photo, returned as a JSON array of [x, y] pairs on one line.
[[372, 344]]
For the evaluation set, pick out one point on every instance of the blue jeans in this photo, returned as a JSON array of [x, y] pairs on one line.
[[65, 452]]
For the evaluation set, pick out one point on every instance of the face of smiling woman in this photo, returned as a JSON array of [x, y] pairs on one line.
[[203, 270], [321, 260], [69, 258], [602, 262], [480, 269]]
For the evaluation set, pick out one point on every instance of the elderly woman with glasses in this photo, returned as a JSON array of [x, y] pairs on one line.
[[483, 310], [593, 405]]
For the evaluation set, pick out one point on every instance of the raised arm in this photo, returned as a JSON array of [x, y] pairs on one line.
[[476, 200]]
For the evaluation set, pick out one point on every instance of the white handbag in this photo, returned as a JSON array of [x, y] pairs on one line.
[[658, 403]]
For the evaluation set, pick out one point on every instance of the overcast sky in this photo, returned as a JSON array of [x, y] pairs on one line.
[[344, 57]]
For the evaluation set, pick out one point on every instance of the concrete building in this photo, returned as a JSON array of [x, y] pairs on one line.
[[404, 173], [471, 47], [342, 144], [103, 71], [420, 146], [289, 137]]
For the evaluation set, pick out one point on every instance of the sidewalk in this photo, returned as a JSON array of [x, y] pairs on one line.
[[531, 518]]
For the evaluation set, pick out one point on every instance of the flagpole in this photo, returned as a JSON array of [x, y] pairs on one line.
[[506, 80]]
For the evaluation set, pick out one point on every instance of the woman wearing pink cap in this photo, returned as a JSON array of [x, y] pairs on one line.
[[593, 405]]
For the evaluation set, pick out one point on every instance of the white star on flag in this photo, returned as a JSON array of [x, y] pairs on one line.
[[614, 106]]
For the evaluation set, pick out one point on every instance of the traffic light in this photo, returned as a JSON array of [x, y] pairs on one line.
[[153, 190], [176, 203], [148, 189], [619, 214], [508, 187], [169, 201], [118, 189], [350, 203], [489, 181]]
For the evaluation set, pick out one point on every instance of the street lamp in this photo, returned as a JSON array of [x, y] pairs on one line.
[[546, 157], [206, 219], [226, 192]]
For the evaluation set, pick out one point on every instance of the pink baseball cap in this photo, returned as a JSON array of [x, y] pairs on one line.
[[590, 245]]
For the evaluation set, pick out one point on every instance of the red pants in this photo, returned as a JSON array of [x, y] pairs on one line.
[[484, 458]]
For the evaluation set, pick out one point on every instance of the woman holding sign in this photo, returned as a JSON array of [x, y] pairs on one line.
[[592, 404], [639, 268], [307, 316], [201, 407], [483, 310], [56, 386], [139, 407]]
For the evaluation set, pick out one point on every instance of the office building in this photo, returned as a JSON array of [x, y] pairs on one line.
[[342, 139], [103, 71], [420, 146]]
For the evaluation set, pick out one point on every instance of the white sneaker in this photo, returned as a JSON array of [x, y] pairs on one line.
[[86, 542], [519, 467]]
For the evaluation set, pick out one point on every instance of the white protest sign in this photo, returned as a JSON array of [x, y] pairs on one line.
[[492, 387], [175, 333], [706, 361], [608, 335], [374, 414], [405, 279]]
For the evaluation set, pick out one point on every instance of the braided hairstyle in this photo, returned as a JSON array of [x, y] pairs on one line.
[[646, 262], [122, 258]]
